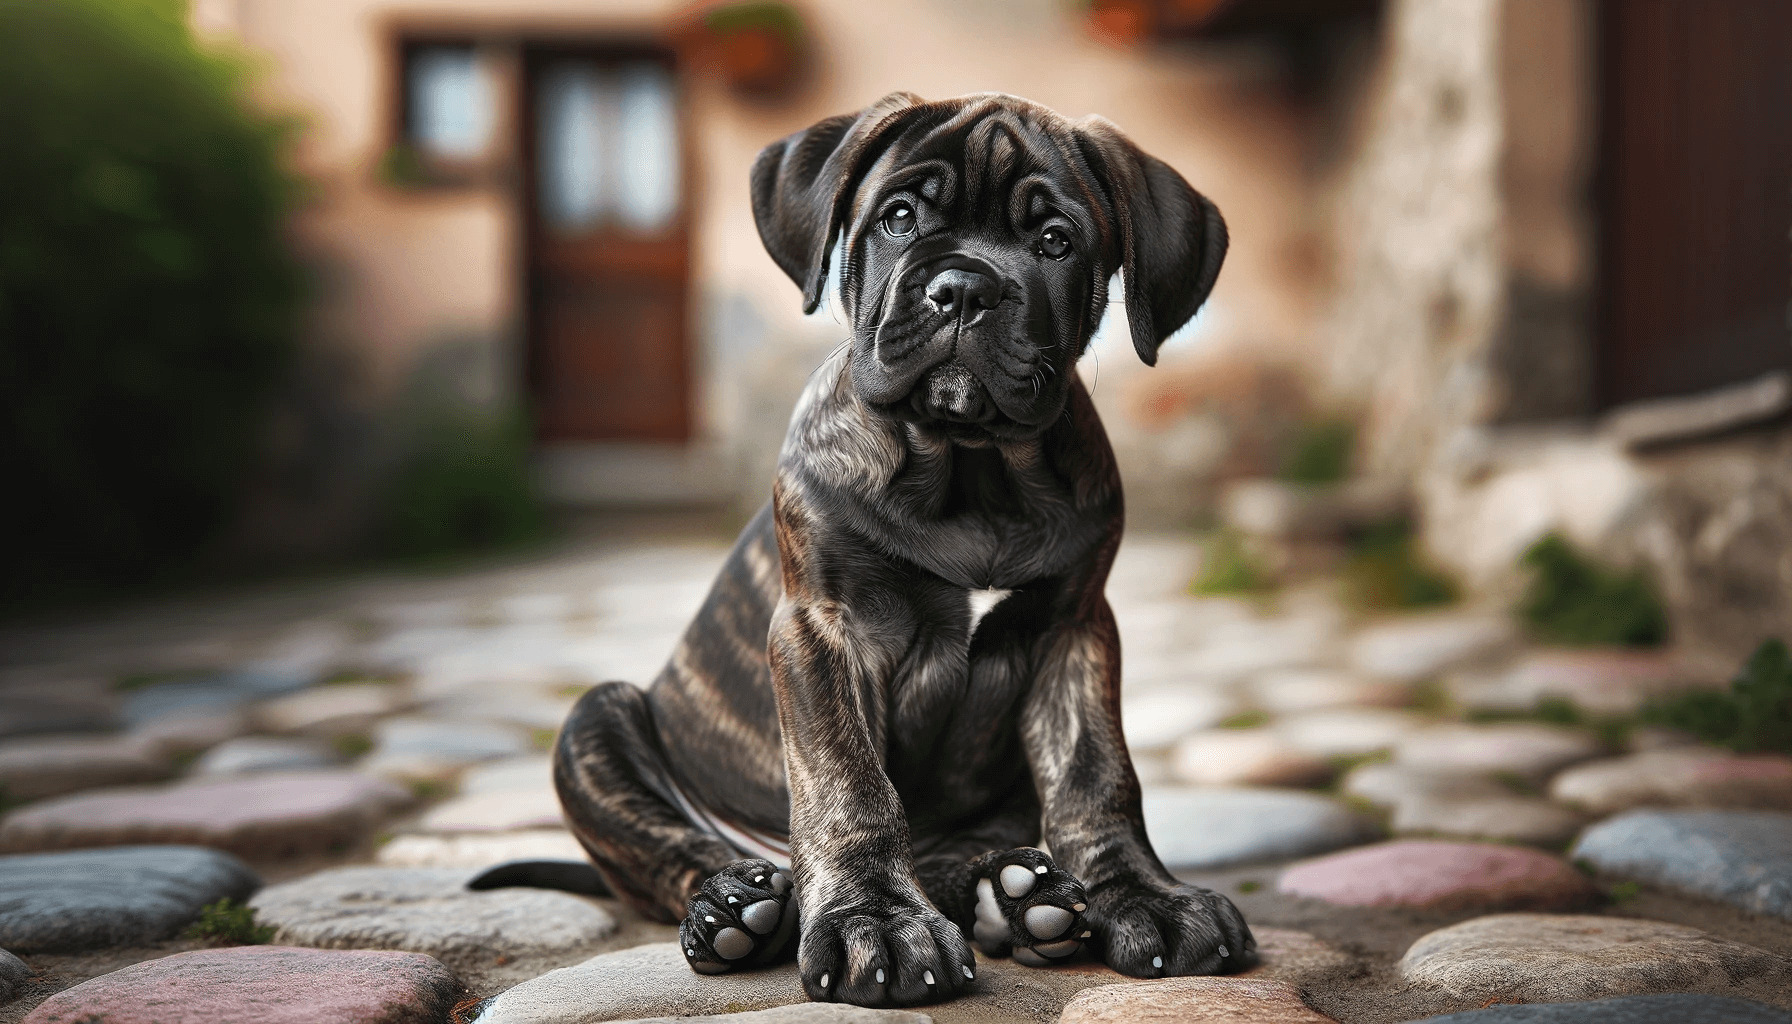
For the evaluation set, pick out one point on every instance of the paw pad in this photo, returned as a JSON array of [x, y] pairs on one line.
[[740, 916], [1027, 907]]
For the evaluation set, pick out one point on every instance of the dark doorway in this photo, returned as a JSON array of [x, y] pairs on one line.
[[1695, 195], [607, 243]]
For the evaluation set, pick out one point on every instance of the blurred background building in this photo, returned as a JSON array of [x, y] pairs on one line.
[[1524, 262]]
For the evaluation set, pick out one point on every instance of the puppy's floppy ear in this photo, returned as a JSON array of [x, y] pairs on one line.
[[802, 183], [1172, 239]]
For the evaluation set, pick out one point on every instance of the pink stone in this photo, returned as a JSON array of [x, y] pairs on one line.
[[1442, 876], [1678, 777], [272, 815], [1192, 1001], [262, 985]]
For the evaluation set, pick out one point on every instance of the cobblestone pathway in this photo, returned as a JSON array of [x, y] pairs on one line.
[[343, 755]]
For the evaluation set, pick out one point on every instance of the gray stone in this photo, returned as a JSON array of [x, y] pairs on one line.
[[422, 748], [427, 910], [1346, 732], [1525, 749], [1222, 1000], [333, 710], [1420, 646], [217, 691], [1388, 785], [1156, 717], [1210, 828], [801, 1013], [1739, 857], [276, 814], [509, 775], [1507, 818], [496, 812], [56, 706], [247, 754], [262, 985], [188, 732], [1609, 682], [651, 980], [13, 973], [479, 850], [1289, 691], [1678, 777], [1669, 419], [1246, 757], [1547, 958], [87, 899], [1671, 1008], [35, 767], [525, 709]]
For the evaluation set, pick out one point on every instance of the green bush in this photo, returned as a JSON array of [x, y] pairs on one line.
[[1228, 566], [147, 299], [463, 483], [1385, 569], [1754, 714], [229, 923], [1573, 600], [1320, 453]]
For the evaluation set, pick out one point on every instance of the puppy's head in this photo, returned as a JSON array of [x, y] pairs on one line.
[[979, 235]]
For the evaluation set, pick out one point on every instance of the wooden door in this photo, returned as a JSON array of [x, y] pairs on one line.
[[608, 245], [1695, 195]]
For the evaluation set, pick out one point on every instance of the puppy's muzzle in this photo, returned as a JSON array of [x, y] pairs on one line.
[[951, 392], [963, 294]]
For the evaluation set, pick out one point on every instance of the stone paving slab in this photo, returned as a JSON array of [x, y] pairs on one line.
[[88, 899], [1416, 647], [1346, 732], [1740, 857], [1525, 749], [1388, 785], [1289, 691], [192, 731], [496, 812], [13, 972], [428, 911], [331, 710], [509, 775], [35, 767], [1672, 1008], [234, 688], [1156, 717], [800, 1013], [262, 816], [1246, 757], [655, 980], [479, 850], [1192, 1001], [1599, 681], [423, 748], [262, 985], [1441, 876], [1507, 818], [249, 754], [1550, 958], [29, 708], [1210, 828], [1680, 777]]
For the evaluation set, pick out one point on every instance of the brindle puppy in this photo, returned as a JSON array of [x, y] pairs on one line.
[[908, 669]]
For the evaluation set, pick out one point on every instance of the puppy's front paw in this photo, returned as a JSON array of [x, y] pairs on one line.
[[1029, 906], [872, 956], [1151, 931], [742, 917]]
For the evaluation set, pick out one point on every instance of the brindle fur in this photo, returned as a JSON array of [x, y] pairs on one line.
[[832, 688]]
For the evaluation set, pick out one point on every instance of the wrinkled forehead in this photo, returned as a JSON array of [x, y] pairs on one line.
[[1000, 162]]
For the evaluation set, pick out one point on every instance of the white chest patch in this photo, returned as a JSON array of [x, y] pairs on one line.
[[982, 602]]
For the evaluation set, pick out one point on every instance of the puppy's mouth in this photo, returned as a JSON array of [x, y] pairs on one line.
[[952, 394]]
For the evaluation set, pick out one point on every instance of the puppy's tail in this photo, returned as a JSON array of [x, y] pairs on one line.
[[564, 875]]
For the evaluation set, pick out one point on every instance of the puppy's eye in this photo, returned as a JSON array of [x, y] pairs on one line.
[[899, 219], [1054, 243]]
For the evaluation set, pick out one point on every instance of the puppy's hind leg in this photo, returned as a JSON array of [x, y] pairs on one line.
[[620, 802]]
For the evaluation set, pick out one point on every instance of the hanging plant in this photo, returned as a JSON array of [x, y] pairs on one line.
[[759, 47]]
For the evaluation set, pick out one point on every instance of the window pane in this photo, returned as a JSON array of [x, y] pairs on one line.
[[450, 101], [573, 128], [647, 181]]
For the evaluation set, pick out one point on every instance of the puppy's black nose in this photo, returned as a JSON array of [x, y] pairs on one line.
[[963, 293]]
